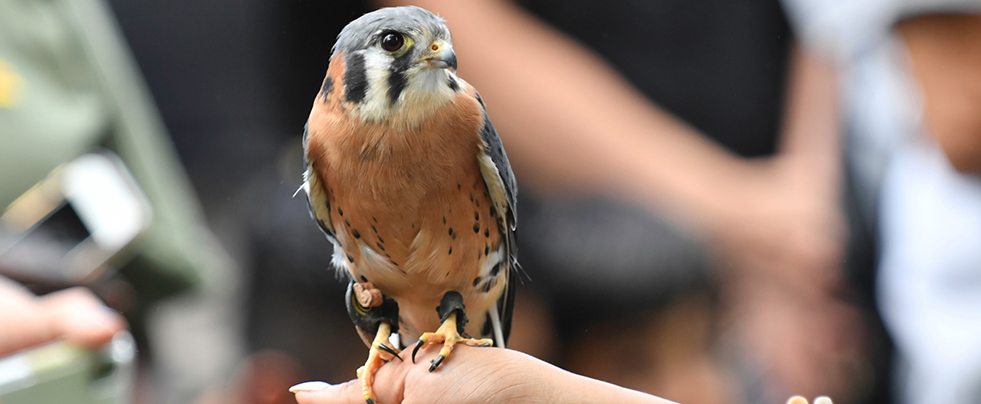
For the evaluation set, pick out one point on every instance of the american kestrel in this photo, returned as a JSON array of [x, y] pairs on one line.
[[408, 178]]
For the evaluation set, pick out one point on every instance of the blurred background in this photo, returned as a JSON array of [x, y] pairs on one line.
[[720, 202]]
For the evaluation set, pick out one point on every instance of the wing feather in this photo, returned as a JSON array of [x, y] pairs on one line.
[[502, 187], [319, 206]]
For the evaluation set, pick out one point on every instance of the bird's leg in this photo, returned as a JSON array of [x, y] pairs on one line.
[[378, 321], [449, 332], [377, 356]]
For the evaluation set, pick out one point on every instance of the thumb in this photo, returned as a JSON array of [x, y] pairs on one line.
[[324, 393]]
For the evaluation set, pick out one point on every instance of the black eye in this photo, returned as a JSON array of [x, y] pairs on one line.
[[392, 42]]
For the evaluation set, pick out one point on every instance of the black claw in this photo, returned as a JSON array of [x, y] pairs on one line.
[[370, 401], [385, 348], [484, 345], [436, 362], [416, 349]]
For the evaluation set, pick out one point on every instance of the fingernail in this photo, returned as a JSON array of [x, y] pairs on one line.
[[309, 387], [104, 319], [797, 400], [822, 400]]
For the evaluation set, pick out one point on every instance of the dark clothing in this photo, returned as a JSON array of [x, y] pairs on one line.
[[718, 65]]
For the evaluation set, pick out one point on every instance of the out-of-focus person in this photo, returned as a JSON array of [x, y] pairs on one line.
[[912, 83], [68, 86]]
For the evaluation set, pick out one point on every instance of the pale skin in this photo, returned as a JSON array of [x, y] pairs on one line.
[[473, 376], [500, 376], [490, 376], [73, 315]]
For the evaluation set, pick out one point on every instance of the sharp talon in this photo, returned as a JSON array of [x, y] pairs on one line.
[[416, 349], [436, 362], [385, 348], [485, 345], [369, 401]]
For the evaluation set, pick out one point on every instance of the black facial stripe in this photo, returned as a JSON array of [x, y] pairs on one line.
[[355, 78], [397, 78], [328, 85], [453, 84]]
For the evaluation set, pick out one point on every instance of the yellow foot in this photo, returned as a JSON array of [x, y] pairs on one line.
[[379, 353], [448, 335]]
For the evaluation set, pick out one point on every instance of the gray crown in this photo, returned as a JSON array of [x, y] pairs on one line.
[[414, 21]]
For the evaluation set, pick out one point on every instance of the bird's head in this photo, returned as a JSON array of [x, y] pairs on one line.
[[396, 58]]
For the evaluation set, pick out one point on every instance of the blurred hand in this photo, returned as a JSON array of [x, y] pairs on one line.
[[75, 315], [782, 224], [807, 346], [471, 376]]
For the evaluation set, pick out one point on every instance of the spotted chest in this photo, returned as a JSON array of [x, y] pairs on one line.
[[407, 204]]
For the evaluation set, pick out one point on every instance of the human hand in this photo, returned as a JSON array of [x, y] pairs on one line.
[[809, 347], [470, 375], [473, 375], [75, 315], [780, 221]]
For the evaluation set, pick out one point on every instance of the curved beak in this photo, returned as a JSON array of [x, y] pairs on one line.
[[443, 58]]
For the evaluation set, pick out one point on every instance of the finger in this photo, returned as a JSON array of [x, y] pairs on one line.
[[323, 393], [77, 316], [797, 400]]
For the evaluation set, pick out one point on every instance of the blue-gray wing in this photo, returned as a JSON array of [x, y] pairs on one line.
[[496, 171], [494, 149]]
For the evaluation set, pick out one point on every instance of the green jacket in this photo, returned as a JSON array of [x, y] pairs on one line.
[[68, 84]]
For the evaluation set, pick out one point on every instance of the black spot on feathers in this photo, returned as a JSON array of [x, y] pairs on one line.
[[327, 87], [496, 269]]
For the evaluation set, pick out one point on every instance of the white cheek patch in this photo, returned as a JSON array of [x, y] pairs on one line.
[[427, 89], [376, 104]]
